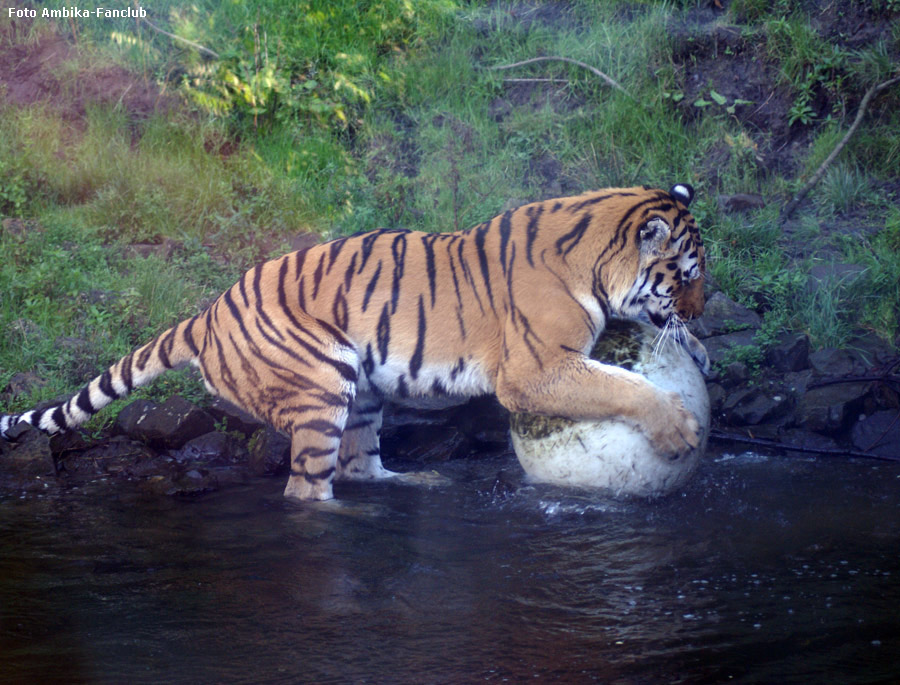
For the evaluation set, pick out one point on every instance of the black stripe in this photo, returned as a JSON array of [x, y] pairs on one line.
[[577, 207], [383, 333], [349, 273], [165, 346], [505, 228], [347, 372], [322, 426], [368, 242], [189, 336], [317, 276], [59, 417], [467, 274], [398, 250], [257, 291], [301, 260], [333, 252], [480, 234], [370, 288], [84, 401], [368, 363], [402, 390], [532, 230], [574, 236], [430, 268], [316, 477], [126, 372], [106, 386], [453, 274], [415, 362], [242, 287], [339, 310]]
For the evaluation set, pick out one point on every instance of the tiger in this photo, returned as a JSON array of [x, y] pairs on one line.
[[315, 342]]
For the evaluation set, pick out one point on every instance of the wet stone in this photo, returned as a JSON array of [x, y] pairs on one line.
[[827, 409], [721, 316], [270, 453], [172, 424], [233, 418], [878, 433], [30, 455], [789, 353], [213, 448]]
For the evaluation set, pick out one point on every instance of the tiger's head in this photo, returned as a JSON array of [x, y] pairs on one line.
[[663, 279]]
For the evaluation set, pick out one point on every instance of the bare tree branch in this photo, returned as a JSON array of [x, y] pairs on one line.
[[791, 206], [594, 70], [196, 46]]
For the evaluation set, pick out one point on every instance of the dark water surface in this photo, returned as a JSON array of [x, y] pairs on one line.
[[762, 570]]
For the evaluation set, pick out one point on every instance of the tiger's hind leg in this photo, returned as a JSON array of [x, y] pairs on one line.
[[360, 454]]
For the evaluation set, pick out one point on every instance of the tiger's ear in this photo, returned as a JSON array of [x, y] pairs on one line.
[[682, 192], [653, 235]]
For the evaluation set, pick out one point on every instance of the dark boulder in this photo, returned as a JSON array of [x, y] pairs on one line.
[[270, 453], [878, 434], [167, 426], [789, 353], [723, 315], [830, 408]]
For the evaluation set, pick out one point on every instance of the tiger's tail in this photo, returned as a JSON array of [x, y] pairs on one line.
[[175, 347]]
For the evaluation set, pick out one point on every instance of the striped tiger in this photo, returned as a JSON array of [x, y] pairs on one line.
[[314, 342]]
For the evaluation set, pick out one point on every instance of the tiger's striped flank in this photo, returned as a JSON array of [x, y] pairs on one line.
[[316, 341]]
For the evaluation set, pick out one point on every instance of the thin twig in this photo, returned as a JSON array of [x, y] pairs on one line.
[[196, 46], [535, 80], [816, 177], [596, 71], [783, 447]]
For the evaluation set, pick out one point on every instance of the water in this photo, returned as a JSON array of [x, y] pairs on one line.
[[762, 570]]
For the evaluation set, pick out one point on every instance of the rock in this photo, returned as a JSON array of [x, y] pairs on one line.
[[735, 373], [789, 353], [751, 406], [878, 433], [233, 418], [740, 202], [119, 456], [212, 448], [30, 455], [722, 315], [828, 409], [717, 397], [797, 437], [270, 453], [718, 347], [836, 363], [171, 424], [127, 420]]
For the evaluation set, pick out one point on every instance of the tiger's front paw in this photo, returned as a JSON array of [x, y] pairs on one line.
[[675, 430]]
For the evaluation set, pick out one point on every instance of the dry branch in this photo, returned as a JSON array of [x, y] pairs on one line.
[[594, 70], [783, 447], [196, 46], [816, 177]]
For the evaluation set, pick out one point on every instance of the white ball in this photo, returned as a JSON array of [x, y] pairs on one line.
[[611, 454]]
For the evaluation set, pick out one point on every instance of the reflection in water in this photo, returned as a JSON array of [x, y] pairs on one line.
[[763, 570]]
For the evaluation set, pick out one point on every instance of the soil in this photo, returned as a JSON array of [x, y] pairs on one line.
[[45, 69]]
